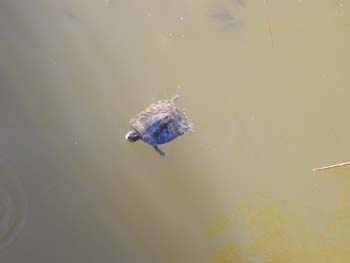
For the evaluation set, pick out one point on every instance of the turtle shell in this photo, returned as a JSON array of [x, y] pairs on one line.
[[161, 122]]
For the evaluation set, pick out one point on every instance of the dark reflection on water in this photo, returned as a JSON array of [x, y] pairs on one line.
[[13, 209], [226, 20], [238, 2], [227, 16], [224, 16]]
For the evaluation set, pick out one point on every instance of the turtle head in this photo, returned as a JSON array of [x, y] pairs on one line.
[[133, 136]]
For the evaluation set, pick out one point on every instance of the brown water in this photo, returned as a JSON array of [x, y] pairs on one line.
[[266, 84]]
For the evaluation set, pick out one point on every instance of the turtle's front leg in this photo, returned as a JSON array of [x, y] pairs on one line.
[[161, 153]]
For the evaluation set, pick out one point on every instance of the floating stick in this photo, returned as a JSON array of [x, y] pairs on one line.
[[331, 166]]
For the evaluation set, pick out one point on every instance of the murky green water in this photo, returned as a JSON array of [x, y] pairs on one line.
[[266, 85]]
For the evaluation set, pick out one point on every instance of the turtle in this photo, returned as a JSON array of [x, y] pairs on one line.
[[159, 123]]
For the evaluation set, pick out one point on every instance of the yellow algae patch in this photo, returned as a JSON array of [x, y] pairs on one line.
[[227, 254], [277, 231], [220, 226], [339, 225], [277, 234]]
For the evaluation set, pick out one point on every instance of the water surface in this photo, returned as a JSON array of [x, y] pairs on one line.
[[264, 82]]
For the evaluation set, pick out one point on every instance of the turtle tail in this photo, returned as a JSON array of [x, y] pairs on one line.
[[177, 96]]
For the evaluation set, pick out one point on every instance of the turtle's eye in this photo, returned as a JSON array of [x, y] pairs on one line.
[[132, 136]]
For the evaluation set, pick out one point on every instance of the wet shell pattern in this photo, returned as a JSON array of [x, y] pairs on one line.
[[161, 122]]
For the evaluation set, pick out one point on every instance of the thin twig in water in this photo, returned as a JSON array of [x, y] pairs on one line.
[[268, 20], [331, 166]]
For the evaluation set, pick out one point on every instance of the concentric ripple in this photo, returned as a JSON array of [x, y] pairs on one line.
[[13, 209]]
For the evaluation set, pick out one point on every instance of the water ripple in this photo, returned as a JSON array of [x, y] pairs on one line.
[[13, 209]]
